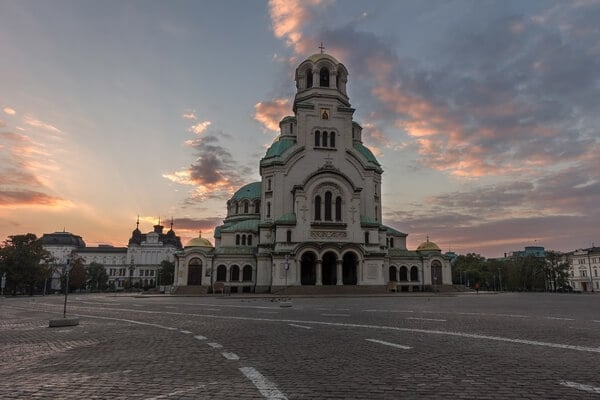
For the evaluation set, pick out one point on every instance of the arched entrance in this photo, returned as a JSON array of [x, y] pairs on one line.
[[436, 272], [329, 268], [308, 269], [349, 267], [194, 272]]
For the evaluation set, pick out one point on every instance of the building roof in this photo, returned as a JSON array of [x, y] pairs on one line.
[[287, 219], [394, 232], [62, 239], [366, 153], [250, 225], [102, 249], [319, 56], [279, 147], [428, 246], [250, 191], [199, 242]]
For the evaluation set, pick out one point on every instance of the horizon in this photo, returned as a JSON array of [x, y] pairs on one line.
[[488, 139]]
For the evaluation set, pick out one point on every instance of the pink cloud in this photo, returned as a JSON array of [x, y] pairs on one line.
[[289, 18], [191, 115], [9, 111], [200, 127], [36, 123], [269, 113]]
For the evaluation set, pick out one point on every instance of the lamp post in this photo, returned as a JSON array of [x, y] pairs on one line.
[[67, 270], [287, 267], [131, 269]]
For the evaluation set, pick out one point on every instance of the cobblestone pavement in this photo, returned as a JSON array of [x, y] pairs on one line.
[[500, 346]]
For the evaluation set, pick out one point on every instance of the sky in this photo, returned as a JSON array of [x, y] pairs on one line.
[[485, 115]]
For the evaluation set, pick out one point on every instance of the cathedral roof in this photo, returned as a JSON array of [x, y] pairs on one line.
[[428, 246], [251, 192], [319, 56], [199, 242], [366, 153], [61, 239], [279, 147], [242, 226], [394, 232]]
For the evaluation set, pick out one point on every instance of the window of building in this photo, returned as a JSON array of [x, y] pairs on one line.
[[318, 208], [317, 138], [327, 206], [234, 273], [338, 208], [324, 77], [289, 236], [331, 139], [375, 213], [243, 240], [237, 240], [324, 139], [392, 242], [249, 240], [237, 208], [366, 237], [247, 273], [595, 272], [245, 207], [257, 207], [269, 184], [221, 273], [309, 78], [268, 210]]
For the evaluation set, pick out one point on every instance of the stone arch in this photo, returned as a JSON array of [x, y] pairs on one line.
[[234, 273], [393, 274], [221, 273], [403, 273], [247, 273], [194, 272], [329, 268], [324, 77], [308, 268], [436, 272], [350, 268], [414, 274]]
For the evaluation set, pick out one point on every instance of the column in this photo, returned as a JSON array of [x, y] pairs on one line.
[[339, 272], [319, 266]]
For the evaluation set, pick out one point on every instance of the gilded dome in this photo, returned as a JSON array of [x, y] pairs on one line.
[[199, 242], [428, 246]]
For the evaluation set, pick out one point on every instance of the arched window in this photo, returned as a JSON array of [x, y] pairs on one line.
[[237, 208], [249, 240], [317, 138], [414, 274], [237, 240], [247, 273], [309, 78], [318, 208], [221, 273], [257, 207], [268, 210], [291, 129], [324, 77], [403, 274], [392, 243], [375, 213], [338, 208], [393, 274], [327, 206], [289, 236], [324, 139], [243, 240], [246, 207], [332, 139], [234, 273]]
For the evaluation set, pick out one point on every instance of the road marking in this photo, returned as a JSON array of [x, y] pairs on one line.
[[323, 309], [186, 332], [175, 393], [389, 344], [343, 309], [130, 321], [215, 345], [230, 356], [170, 307], [427, 319], [200, 337], [213, 309], [365, 326], [268, 312], [391, 311], [267, 388], [581, 386], [594, 320], [296, 326], [335, 315], [561, 319]]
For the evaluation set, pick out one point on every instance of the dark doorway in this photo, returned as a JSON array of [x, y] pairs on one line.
[[308, 269], [195, 272], [329, 269], [436, 273], [349, 267]]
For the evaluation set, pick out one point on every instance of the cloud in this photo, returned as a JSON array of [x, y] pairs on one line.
[[191, 115], [36, 123], [195, 224], [289, 17], [215, 173], [270, 113], [10, 198], [200, 127], [9, 111]]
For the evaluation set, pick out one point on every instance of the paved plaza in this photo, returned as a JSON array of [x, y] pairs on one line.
[[500, 346]]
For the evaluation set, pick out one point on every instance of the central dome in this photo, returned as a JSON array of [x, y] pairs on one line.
[[428, 246], [251, 191], [199, 242]]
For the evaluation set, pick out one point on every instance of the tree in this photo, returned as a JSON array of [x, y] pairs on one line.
[[22, 258], [78, 275], [166, 272], [97, 276], [557, 270]]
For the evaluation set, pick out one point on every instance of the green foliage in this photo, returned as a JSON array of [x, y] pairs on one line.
[[78, 275], [97, 276], [166, 273], [23, 260]]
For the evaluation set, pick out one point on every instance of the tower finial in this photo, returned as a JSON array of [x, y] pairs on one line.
[[200, 234], [322, 47], [158, 220], [137, 224], [171, 222], [427, 238]]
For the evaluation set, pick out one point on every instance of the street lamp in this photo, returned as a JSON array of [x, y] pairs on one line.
[[287, 267], [67, 270]]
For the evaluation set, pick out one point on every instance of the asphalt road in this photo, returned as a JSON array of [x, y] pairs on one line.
[[500, 346]]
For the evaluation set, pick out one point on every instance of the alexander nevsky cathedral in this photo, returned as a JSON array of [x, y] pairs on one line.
[[313, 222]]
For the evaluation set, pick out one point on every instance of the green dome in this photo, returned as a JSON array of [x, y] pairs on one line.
[[251, 191], [366, 153], [279, 147]]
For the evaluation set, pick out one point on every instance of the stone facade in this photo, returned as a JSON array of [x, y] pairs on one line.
[[315, 218]]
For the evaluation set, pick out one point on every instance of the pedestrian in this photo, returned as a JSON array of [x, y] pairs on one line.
[[477, 287]]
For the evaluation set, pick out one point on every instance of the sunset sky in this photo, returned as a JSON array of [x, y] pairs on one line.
[[484, 114]]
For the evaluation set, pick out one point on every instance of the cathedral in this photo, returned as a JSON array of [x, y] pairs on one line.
[[313, 222]]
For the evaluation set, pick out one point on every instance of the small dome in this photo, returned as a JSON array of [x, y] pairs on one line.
[[319, 56], [428, 246], [251, 192], [199, 242]]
